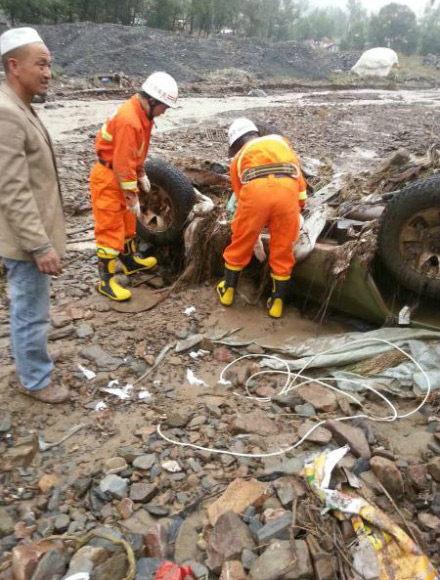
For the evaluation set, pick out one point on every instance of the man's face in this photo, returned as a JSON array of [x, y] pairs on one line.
[[159, 109], [32, 68]]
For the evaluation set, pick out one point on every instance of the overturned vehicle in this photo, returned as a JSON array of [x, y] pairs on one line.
[[369, 246]]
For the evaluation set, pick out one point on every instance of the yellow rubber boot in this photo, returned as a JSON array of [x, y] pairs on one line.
[[226, 288], [107, 284], [131, 263], [275, 302]]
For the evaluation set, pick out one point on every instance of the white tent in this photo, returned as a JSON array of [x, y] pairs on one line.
[[376, 62]]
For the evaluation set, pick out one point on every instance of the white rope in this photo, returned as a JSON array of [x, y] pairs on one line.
[[290, 384]]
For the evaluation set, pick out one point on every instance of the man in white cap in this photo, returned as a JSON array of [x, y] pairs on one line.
[[32, 231]]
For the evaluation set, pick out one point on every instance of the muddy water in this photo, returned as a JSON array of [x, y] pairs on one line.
[[71, 119]]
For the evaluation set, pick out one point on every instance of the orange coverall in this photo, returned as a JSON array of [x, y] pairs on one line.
[[271, 200], [122, 144]]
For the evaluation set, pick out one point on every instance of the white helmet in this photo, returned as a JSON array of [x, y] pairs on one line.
[[240, 127], [162, 87]]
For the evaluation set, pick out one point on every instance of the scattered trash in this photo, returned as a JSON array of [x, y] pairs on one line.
[[144, 395], [100, 406], [190, 310], [193, 380], [405, 316], [384, 550], [87, 373], [171, 571], [195, 354], [123, 393]]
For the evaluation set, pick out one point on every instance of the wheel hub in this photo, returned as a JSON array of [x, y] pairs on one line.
[[157, 212], [420, 242]]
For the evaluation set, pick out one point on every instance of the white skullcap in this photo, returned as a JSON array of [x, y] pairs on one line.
[[16, 37]]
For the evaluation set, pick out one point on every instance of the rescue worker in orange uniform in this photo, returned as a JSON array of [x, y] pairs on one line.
[[119, 174], [270, 190]]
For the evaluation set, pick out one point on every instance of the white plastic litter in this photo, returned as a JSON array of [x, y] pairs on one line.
[[190, 310], [405, 316], [87, 373], [144, 395], [203, 205], [193, 380], [123, 393], [376, 62], [195, 354], [100, 406]]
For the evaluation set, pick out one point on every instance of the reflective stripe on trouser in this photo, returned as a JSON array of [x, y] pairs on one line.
[[113, 222], [30, 301], [267, 201]]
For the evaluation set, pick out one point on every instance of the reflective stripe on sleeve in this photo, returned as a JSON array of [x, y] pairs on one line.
[[105, 134], [129, 184]]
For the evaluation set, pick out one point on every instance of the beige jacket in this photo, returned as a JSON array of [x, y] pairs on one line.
[[31, 212]]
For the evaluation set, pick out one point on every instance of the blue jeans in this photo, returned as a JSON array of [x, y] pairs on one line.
[[30, 301]]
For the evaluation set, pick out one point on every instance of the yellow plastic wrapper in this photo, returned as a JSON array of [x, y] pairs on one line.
[[384, 551]]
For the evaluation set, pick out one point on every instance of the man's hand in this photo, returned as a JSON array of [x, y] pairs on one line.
[[144, 183], [132, 202], [49, 262]]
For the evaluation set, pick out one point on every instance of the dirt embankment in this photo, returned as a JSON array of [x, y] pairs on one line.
[[86, 48]]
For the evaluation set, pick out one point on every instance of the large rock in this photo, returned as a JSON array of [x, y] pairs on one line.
[[25, 558], [156, 541], [146, 568], [321, 398], [353, 436], [6, 523], [275, 529], [233, 570], [278, 562], [85, 559], [429, 522], [138, 522], [114, 485], [188, 535], [52, 565], [388, 474], [320, 435], [256, 422], [102, 359], [434, 469], [239, 495], [21, 455], [228, 539], [115, 568], [417, 475], [143, 492]]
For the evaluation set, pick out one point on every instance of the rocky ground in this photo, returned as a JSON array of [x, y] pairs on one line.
[[114, 474]]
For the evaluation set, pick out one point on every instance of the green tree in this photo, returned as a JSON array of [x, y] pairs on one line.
[[355, 36], [395, 26], [430, 31]]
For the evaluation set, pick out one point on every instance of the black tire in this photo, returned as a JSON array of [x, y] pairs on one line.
[[409, 237], [169, 183]]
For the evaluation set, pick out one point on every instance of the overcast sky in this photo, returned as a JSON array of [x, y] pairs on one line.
[[374, 5]]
